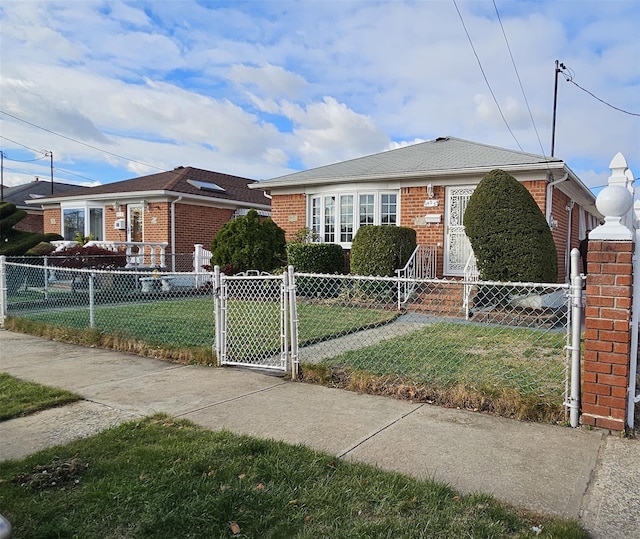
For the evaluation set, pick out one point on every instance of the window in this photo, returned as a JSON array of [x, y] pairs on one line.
[[389, 211], [96, 223], [329, 219], [367, 207], [335, 218], [346, 218], [316, 225], [75, 222]]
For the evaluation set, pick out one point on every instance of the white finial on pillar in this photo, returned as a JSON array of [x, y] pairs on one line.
[[614, 202]]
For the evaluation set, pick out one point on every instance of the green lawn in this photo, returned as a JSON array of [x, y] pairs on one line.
[[479, 357], [190, 322], [166, 478], [18, 397]]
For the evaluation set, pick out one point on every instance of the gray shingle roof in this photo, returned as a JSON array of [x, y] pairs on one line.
[[19, 194], [441, 154]]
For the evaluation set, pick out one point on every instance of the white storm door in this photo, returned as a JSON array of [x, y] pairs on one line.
[[457, 247], [135, 233]]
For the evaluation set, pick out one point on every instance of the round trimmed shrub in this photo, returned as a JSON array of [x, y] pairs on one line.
[[509, 234]]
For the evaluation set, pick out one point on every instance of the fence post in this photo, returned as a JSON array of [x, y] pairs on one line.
[[608, 307], [293, 321], [197, 258], [3, 289], [576, 333], [92, 301], [217, 308]]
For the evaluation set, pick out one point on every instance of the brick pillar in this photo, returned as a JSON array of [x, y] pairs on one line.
[[608, 334]]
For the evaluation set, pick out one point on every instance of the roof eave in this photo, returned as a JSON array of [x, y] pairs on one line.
[[473, 171], [110, 197]]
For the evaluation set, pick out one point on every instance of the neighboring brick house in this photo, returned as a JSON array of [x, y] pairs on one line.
[[180, 208], [426, 186], [20, 194]]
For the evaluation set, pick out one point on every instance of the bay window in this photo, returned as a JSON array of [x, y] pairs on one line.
[[336, 217]]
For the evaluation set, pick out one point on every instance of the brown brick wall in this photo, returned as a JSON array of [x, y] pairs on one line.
[[607, 335], [51, 221], [289, 212], [198, 224], [412, 208]]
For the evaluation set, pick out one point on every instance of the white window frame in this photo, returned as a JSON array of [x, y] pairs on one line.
[[316, 212], [84, 207]]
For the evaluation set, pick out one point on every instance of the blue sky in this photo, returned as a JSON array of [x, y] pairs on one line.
[[264, 88]]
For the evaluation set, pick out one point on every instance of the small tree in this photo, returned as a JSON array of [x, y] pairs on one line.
[[247, 243], [509, 234]]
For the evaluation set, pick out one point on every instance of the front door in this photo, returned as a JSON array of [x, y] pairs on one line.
[[135, 232], [457, 247]]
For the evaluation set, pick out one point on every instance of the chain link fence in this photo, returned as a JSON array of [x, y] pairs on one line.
[[454, 337], [169, 313], [452, 342]]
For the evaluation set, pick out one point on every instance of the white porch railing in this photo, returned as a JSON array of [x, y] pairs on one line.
[[421, 265], [471, 276], [138, 253], [201, 257]]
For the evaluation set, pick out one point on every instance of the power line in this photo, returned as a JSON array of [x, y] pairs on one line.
[[524, 95], [484, 75], [75, 174], [25, 146], [23, 160], [569, 74], [79, 142]]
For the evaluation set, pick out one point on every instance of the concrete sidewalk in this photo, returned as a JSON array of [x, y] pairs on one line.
[[556, 470]]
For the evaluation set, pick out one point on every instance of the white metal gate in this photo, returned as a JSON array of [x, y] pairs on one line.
[[256, 321]]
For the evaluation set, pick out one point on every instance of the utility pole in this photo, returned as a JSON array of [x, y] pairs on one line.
[[559, 68], [1, 176], [51, 155]]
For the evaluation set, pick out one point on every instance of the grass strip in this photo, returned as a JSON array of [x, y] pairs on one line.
[[19, 397], [160, 477]]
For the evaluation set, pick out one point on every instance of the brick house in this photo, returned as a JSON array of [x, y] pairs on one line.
[[426, 187], [176, 210]]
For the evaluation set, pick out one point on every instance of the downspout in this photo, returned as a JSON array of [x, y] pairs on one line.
[[173, 232], [567, 255], [549, 203]]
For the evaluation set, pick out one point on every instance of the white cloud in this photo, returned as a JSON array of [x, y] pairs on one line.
[[258, 88], [330, 129], [274, 81]]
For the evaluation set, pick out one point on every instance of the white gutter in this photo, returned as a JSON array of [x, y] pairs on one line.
[[549, 203], [173, 232]]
